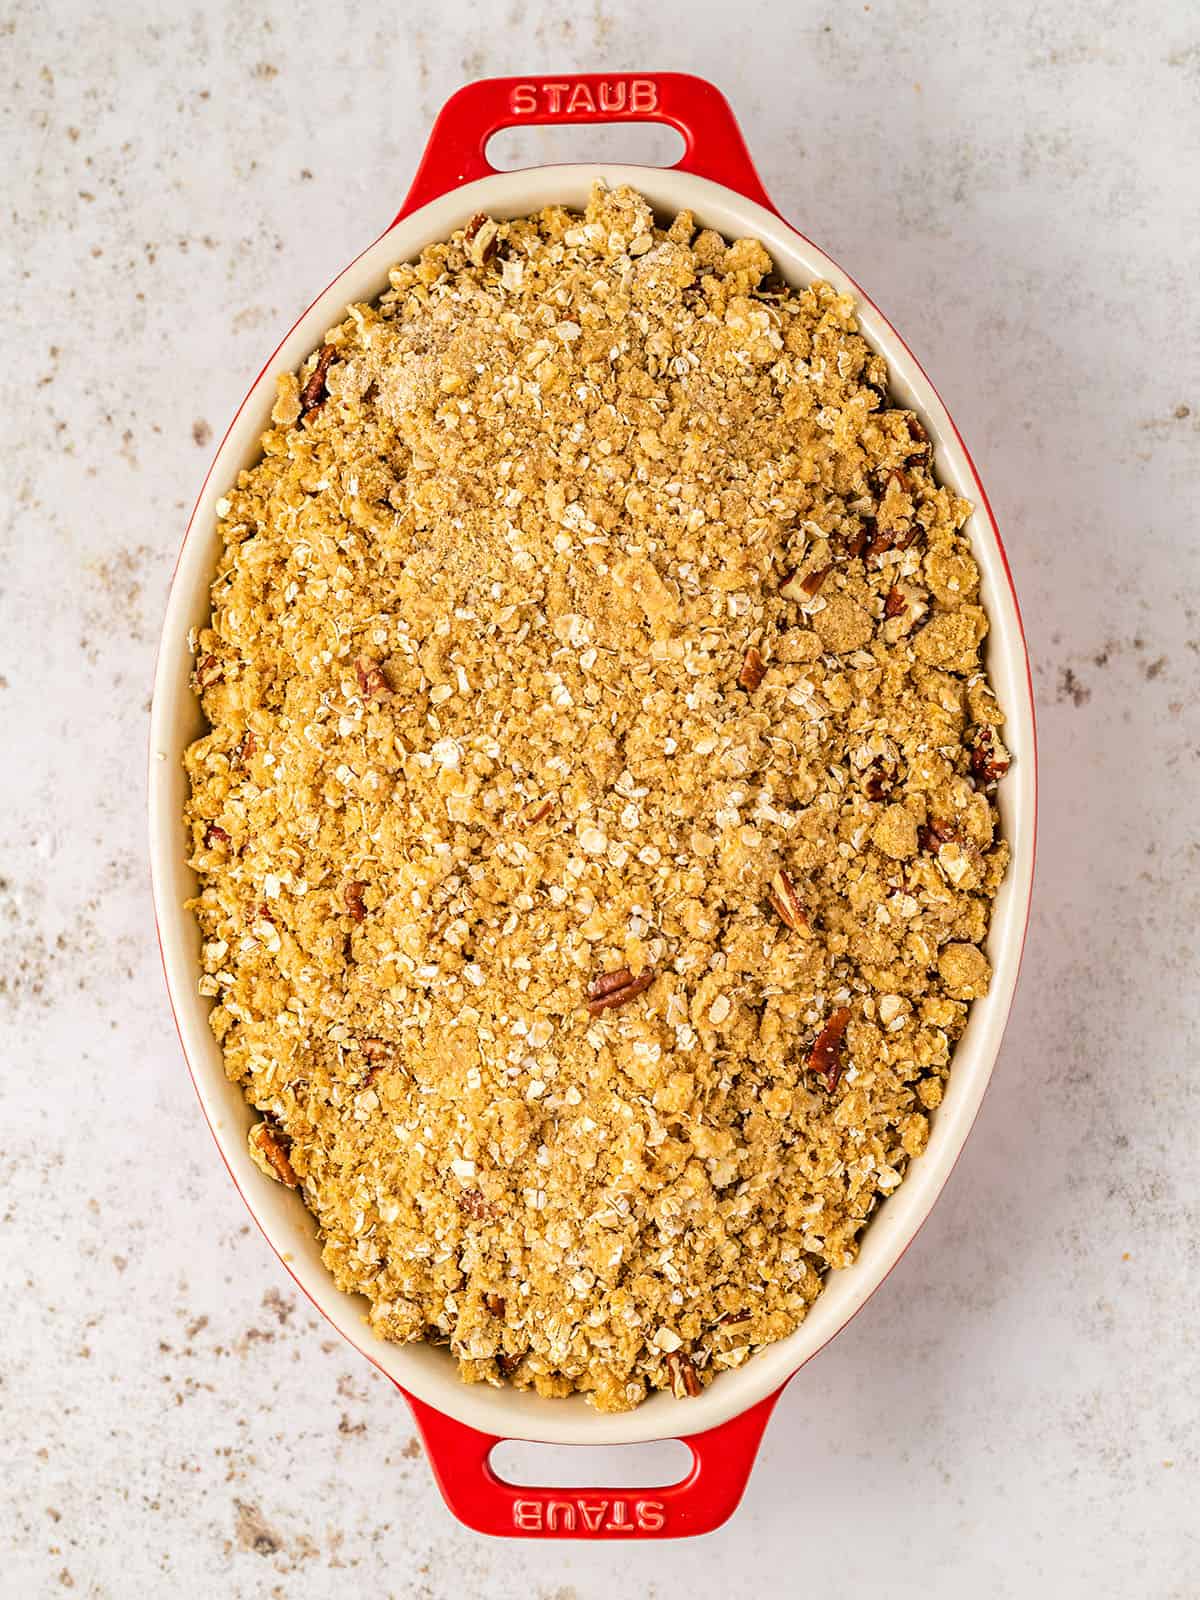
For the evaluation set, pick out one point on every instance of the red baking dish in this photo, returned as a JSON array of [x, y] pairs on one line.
[[461, 1424]]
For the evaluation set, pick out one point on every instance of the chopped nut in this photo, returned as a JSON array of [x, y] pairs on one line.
[[537, 811], [905, 606], [798, 588], [372, 683], [685, 1380], [214, 834], [921, 447], [352, 894], [270, 1148], [495, 1303], [989, 759], [933, 835], [786, 902], [482, 237], [370, 1075], [314, 393], [826, 1058], [612, 989], [207, 671], [878, 782], [754, 670], [858, 541], [472, 1204]]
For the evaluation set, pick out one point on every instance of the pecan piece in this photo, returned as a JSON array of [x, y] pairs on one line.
[[883, 542], [372, 684], [921, 447], [495, 1304], [536, 811], [754, 670], [685, 1380], [880, 544], [472, 1204], [932, 836], [270, 1148], [481, 236], [207, 671], [245, 748], [795, 587], [989, 759], [906, 607], [857, 542], [214, 834], [611, 989], [352, 894], [786, 902], [377, 1053], [878, 783], [314, 392], [825, 1058], [507, 1363]]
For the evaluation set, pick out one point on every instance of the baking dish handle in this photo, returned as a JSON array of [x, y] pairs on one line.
[[714, 147], [721, 1462]]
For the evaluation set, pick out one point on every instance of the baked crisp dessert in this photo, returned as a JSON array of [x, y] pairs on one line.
[[596, 830]]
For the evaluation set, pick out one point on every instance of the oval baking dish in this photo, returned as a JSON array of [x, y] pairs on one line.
[[462, 1423]]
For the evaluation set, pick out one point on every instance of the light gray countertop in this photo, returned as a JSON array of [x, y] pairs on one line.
[[1016, 1412]]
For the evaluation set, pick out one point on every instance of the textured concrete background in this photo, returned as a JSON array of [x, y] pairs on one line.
[[1016, 1412]]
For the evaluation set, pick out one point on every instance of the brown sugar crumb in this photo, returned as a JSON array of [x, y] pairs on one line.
[[597, 981], [896, 833], [965, 971]]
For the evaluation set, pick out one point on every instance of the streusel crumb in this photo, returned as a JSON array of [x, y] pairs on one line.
[[596, 831]]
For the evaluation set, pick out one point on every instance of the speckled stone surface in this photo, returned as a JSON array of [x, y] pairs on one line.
[[1016, 1411]]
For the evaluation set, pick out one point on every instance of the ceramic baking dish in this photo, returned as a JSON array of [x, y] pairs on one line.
[[462, 1423]]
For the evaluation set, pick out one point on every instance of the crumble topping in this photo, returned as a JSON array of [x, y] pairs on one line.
[[596, 828]]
